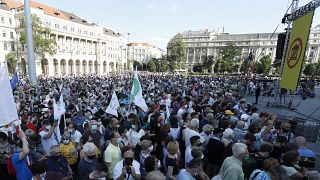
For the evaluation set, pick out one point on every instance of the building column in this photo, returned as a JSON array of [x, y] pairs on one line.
[[317, 55], [194, 55], [59, 68], [50, 67]]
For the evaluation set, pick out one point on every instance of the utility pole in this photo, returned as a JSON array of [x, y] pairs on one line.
[[30, 48]]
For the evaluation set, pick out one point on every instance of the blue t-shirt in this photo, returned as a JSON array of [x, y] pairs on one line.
[[22, 170]]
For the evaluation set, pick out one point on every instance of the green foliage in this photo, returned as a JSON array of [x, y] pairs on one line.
[[223, 66], [309, 69], [137, 64], [229, 52], [152, 65], [258, 68], [266, 64], [162, 64], [176, 53], [12, 62], [207, 62], [42, 40], [198, 68]]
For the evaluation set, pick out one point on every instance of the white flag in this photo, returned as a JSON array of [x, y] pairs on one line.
[[136, 93], [59, 108], [113, 105], [8, 108]]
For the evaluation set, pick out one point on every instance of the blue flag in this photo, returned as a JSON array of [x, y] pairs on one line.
[[14, 81]]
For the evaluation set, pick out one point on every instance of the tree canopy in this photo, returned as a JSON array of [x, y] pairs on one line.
[[177, 54], [43, 43]]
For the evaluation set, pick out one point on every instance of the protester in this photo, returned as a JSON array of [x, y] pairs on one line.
[[186, 119]]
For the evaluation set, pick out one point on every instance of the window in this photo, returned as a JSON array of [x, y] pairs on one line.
[[10, 21], [4, 34], [11, 35], [79, 30], [5, 47], [65, 27], [72, 29], [91, 33], [85, 32], [2, 20], [270, 49], [12, 46], [56, 26], [48, 23]]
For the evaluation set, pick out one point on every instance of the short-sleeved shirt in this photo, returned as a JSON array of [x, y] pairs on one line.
[[47, 143], [22, 170], [184, 175], [117, 171], [70, 152], [173, 163], [85, 168], [289, 170], [112, 155], [61, 165]]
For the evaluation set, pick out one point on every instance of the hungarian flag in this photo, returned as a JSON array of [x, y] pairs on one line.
[[136, 93]]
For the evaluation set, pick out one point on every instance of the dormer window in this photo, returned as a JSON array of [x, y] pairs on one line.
[[71, 17], [84, 21], [56, 13], [39, 7]]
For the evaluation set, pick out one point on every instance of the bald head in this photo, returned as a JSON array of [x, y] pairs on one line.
[[240, 125], [300, 141]]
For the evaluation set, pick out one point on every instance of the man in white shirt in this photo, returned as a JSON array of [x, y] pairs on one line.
[[75, 135], [192, 130], [195, 141], [49, 136], [127, 168]]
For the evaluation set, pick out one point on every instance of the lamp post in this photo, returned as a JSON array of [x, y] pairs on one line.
[[31, 59]]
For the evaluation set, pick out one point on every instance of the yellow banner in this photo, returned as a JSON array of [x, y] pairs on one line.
[[295, 52]]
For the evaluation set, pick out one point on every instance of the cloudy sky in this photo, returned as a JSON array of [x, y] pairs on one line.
[[156, 21]]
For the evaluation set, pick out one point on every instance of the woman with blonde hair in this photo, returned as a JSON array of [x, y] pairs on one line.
[[172, 160]]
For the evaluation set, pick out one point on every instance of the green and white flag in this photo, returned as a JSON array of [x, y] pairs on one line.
[[136, 93], [113, 105]]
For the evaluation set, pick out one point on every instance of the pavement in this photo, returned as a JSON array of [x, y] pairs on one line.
[[308, 110]]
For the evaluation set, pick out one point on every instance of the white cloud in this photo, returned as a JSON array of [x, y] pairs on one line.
[[150, 6], [173, 8]]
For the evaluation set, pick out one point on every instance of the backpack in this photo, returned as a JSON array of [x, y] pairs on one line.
[[10, 168]]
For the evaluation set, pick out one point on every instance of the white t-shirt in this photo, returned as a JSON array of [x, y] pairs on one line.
[[289, 170], [188, 156], [76, 136], [134, 137], [117, 171], [188, 133], [47, 143], [175, 132]]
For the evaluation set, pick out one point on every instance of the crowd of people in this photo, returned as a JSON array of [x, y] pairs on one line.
[[194, 128]]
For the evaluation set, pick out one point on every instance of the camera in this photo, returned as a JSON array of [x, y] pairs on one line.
[[307, 162]]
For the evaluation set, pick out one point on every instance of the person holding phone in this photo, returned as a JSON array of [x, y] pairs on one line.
[[127, 168]]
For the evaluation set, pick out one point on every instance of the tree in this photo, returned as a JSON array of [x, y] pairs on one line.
[[136, 64], [309, 69], [43, 42], [162, 63], [228, 58], [258, 68], [198, 67], [317, 69], [266, 64], [152, 65], [176, 53], [229, 52], [207, 62], [12, 62]]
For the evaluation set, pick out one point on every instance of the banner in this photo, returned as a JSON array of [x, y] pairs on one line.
[[295, 52], [136, 93], [59, 108], [113, 105], [8, 108]]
